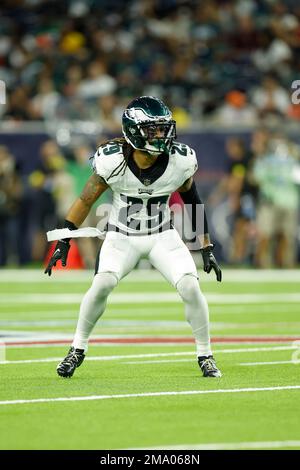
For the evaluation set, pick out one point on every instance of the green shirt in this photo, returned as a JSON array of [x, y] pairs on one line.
[[274, 173], [81, 174]]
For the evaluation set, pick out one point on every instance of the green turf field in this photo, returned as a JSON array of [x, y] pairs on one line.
[[149, 392]]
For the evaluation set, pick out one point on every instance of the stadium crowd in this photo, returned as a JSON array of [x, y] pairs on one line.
[[222, 62], [225, 61]]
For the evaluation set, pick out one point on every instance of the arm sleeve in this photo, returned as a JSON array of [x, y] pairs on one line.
[[195, 209]]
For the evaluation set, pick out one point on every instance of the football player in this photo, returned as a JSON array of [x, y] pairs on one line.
[[142, 169]]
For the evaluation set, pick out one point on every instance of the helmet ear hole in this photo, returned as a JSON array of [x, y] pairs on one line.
[[134, 136], [140, 142]]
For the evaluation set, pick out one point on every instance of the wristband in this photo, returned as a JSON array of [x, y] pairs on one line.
[[70, 226]]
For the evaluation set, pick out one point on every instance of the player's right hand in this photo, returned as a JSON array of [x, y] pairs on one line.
[[61, 252]]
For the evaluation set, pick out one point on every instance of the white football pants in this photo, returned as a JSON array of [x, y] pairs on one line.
[[169, 255]]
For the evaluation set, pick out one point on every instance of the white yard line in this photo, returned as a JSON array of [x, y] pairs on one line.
[[110, 345], [102, 358], [159, 361], [142, 275], [153, 297], [226, 309], [114, 322], [140, 325], [144, 311], [150, 394], [247, 309], [162, 361], [16, 323], [105, 345], [153, 355], [229, 446], [270, 363]]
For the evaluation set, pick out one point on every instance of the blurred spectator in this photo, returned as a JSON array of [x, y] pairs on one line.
[[107, 114], [272, 53], [19, 106], [52, 194], [236, 111], [181, 117], [239, 192], [10, 202], [44, 103], [79, 167], [97, 83], [245, 36], [243, 193], [271, 99], [244, 231], [275, 172], [71, 41]]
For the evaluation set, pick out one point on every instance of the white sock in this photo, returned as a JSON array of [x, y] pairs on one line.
[[92, 306], [196, 312]]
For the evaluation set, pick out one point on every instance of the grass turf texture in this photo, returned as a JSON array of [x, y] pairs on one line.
[[148, 421]]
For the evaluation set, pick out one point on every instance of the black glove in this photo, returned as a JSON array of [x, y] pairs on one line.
[[210, 262], [61, 252]]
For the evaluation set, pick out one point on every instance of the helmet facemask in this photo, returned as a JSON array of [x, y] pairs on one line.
[[158, 135]]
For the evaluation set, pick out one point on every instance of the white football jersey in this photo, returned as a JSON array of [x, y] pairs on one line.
[[141, 197]]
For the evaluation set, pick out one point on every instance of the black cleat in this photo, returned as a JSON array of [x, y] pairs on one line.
[[209, 367], [68, 365]]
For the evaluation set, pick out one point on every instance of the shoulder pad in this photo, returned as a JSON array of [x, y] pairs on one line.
[[186, 159], [108, 161], [178, 148]]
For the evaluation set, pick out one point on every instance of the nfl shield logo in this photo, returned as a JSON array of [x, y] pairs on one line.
[[146, 182]]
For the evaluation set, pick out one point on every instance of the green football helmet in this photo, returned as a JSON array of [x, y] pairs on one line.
[[147, 125]]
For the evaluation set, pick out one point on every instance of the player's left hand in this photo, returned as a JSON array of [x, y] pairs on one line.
[[210, 262]]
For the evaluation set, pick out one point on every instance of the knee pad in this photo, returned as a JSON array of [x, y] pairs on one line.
[[188, 288], [103, 284]]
